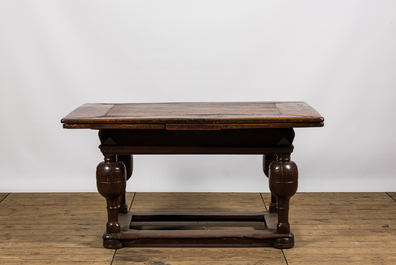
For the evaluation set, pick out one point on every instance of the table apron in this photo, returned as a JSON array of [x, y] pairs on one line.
[[208, 150]]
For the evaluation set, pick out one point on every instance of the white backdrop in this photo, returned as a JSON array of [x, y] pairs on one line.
[[338, 56]]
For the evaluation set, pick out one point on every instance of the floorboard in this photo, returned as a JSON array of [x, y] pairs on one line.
[[53, 228], [392, 195], [198, 202], [66, 228], [2, 196], [187, 256], [342, 228]]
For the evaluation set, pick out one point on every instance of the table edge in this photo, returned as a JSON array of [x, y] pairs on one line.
[[100, 121]]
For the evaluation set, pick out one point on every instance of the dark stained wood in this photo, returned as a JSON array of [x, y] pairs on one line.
[[269, 114], [283, 182], [193, 127], [127, 160], [244, 137], [255, 237], [197, 225], [267, 160], [198, 217], [144, 150], [139, 228], [201, 237], [111, 182], [283, 177], [264, 128], [270, 125], [243, 141], [116, 126]]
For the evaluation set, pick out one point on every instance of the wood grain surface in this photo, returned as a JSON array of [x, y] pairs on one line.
[[392, 195], [2, 196], [179, 115], [342, 228], [66, 228]]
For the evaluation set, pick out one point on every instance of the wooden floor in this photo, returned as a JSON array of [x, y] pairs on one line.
[[329, 228]]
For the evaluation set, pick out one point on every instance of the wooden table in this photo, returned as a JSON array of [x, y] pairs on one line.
[[196, 128]]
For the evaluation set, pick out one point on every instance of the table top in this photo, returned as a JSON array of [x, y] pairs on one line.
[[193, 116]]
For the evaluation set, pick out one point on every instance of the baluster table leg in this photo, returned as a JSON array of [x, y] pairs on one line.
[[267, 160], [283, 178], [111, 183]]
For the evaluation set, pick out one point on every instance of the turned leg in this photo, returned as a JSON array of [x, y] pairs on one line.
[[111, 183], [267, 160], [128, 162], [283, 177]]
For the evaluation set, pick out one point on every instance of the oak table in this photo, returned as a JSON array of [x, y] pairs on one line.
[[264, 128]]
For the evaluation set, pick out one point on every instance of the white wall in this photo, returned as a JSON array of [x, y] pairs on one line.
[[339, 56]]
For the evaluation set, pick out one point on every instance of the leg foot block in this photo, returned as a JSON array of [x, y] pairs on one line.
[[112, 244], [109, 242], [287, 242]]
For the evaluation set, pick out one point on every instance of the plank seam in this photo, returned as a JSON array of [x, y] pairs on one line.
[[390, 196], [265, 206], [4, 198], [112, 260], [133, 198], [287, 263], [109, 110]]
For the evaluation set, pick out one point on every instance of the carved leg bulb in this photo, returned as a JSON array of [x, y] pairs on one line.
[[128, 162], [111, 183], [283, 181], [267, 160]]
